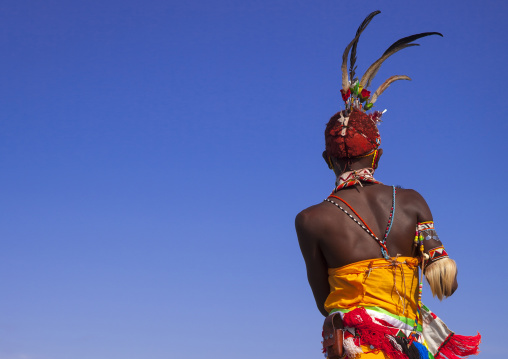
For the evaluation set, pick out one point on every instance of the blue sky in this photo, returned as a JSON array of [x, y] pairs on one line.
[[153, 156]]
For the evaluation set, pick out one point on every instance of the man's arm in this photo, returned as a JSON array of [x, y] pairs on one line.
[[307, 230], [440, 270]]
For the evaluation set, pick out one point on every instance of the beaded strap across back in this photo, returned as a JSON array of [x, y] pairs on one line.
[[364, 225]]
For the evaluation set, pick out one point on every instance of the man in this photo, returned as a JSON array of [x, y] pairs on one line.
[[359, 245]]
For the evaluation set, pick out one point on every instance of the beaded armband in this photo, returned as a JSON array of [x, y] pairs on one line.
[[440, 274], [437, 253], [425, 231]]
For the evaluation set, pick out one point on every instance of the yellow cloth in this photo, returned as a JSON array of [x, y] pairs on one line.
[[391, 286], [379, 355]]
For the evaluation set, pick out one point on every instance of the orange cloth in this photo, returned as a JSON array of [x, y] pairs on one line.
[[391, 286]]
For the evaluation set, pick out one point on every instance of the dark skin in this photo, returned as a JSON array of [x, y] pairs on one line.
[[328, 238]]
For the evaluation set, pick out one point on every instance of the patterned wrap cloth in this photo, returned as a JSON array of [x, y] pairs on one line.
[[387, 292]]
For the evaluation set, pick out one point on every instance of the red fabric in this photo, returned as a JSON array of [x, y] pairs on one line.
[[361, 136], [372, 333], [459, 346]]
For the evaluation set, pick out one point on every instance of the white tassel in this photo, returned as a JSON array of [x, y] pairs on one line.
[[352, 350]]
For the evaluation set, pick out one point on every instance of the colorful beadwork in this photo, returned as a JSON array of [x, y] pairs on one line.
[[390, 222], [351, 178], [428, 231], [420, 228], [423, 226], [375, 159], [437, 253]]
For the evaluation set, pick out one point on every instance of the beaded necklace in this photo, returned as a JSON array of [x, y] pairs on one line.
[[364, 225]]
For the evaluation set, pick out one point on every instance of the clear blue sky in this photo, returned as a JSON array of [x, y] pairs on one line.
[[153, 156]]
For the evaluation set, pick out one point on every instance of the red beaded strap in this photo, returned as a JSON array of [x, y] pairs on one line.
[[364, 226], [351, 208]]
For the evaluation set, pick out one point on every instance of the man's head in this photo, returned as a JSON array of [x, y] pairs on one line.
[[353, 133], [351, 136]]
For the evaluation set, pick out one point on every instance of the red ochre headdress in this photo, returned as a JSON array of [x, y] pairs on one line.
[[353, 132]]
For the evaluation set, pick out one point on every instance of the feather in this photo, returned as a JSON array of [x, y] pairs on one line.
[[374, 68], [395, 47], [411, 38], [352, 58], [345, 80], [386, 84]]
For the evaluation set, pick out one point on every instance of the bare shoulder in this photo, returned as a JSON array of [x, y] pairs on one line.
[[414, 201], [311, 221], [410, 195]]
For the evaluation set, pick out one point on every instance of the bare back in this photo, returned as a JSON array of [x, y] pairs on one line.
[[345, 242], [329, 238]]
